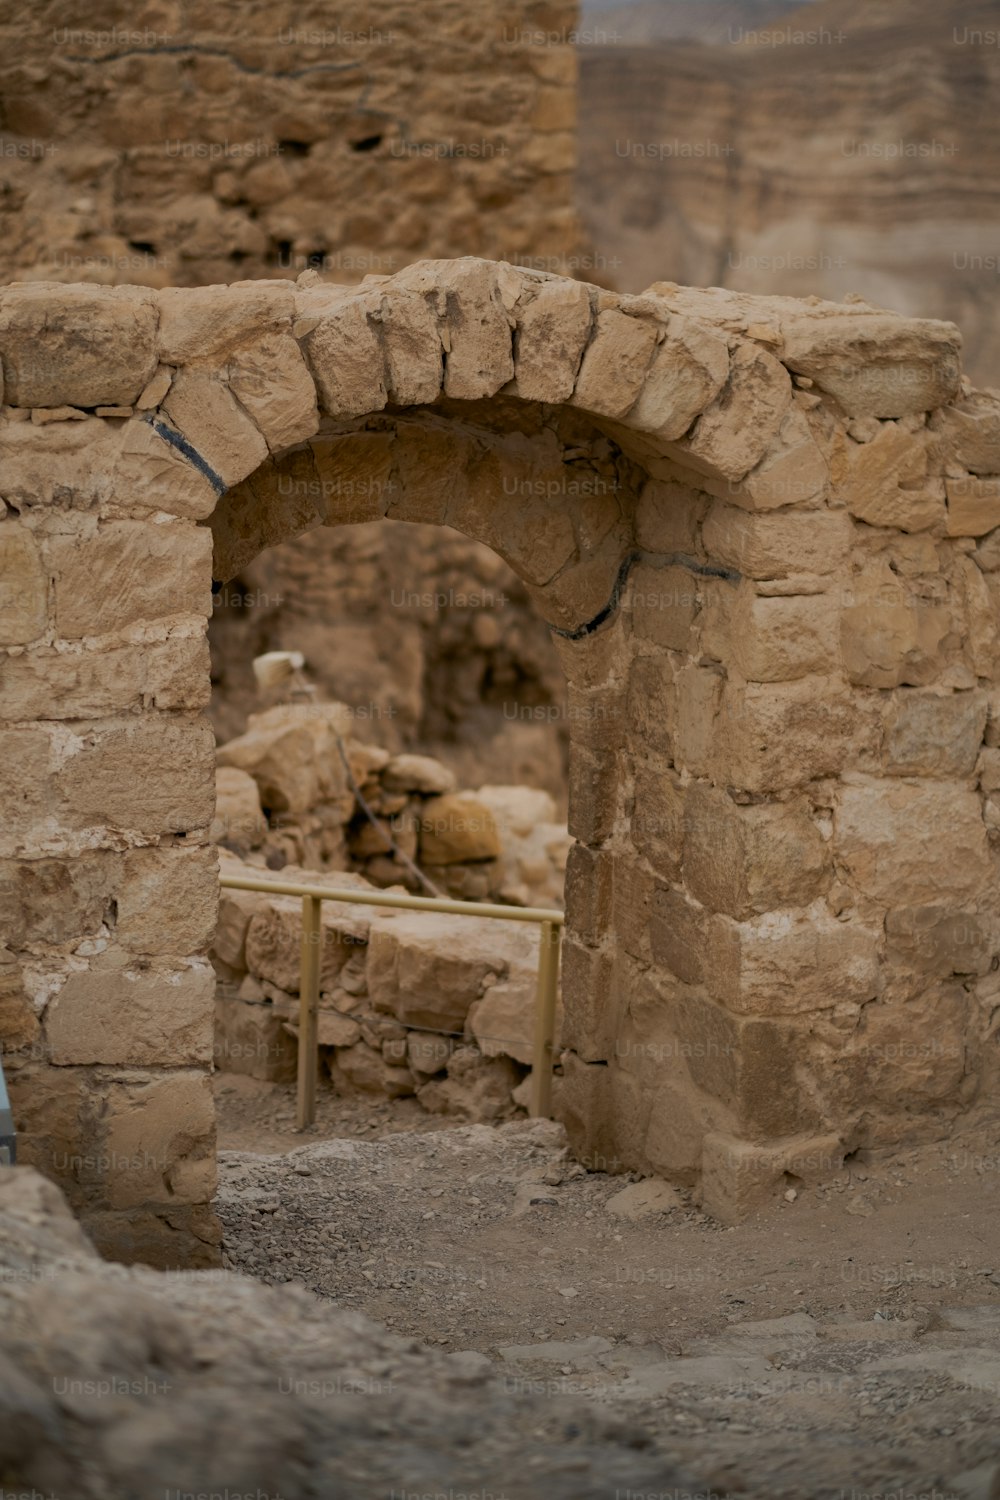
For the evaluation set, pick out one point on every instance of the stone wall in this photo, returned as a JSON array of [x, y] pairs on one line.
[[777, 618]]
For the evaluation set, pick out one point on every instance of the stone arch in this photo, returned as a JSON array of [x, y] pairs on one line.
[[758, 695]]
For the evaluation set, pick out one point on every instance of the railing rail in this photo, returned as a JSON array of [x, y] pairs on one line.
[[312, 898]]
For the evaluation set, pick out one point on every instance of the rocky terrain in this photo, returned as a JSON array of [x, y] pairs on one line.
[[843, 147]]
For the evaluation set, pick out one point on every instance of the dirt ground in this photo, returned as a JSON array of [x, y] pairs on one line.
[[843, 1346]]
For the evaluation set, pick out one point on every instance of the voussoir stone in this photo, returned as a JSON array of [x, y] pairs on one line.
[[76, 346], [876, 364]]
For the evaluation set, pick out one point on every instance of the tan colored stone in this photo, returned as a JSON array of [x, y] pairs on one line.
[[771, 639], [76, 346], [159, 476], [746, 859], [907, 844], [207, 322], [360, 1069], [291, 752], [149, 776], [933, 734], [476, 1088], [427, 969], [132, 1017], [274, 941], [970, 432], [937, 941], [251, 1039], [344, 354], [615, 364], [777, 544], [886, 484], [792, 472], [876, 365], [738, 428], [687, 372], [161, 1132], [204, 411], [474, 299], [456, 828], [663, 603], [270, 379], [69, 462], [168, 901], [23, 588], [155, 390], [779, 735], [552, 332], [890, 635], [147, 572], [18, 1022], [239, 821], [171, 674], [739, 1178], [418, 773], [782, 963], [982, 612], [414, 364], [973, 506], [503, 1021], [235, 912]]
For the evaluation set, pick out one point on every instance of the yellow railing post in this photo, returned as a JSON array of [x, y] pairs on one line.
[[545, 1021], [309, 1009]]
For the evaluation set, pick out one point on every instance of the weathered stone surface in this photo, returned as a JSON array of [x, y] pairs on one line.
[[456, 828], [777, 545], [663, 603], [933, 734], [936, 941], [236, 911], [774, 736], [552, 332], [239, 821], [18, 1022], [973, 506], [86, 684], [147, 572], [252, 1039], [207, 322], [891, 633], [738, 1177], [886, 483], [742, 860], [503, 1021], [274, 940], [270, 379], [738, 428], [148, 776], [427, 969], [909, 844], [143, 1018], [344, 353], [476, 1088], [969, 432], [164, 1129], [474, 299], [687, 372], [362, 1069], [615, 364], [168, 901], [23, 588], [876, 365], [76, 346], [71, 464], [793, 471], [783, 963], [418, 773], [158, 476], [771, 639], [414, 362], [204, 411], [291, 752]]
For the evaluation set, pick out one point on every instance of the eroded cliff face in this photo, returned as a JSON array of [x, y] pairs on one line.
[[843, 148]]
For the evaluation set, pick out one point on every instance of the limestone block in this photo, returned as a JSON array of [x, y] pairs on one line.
[[59, 900], [771, 639], [476, 1088], [54, 1110], [936, 941], [171, 674], [982, 643], [615, 364], [251, 1039], [151, 775], [291, 752], [890, 634], [239, 821], [271, 380], [355, 478], [236, 910], [204, 411], [779, 735], [503, 1021], [69, 463], [361, 1069], [739, 1178], [679, 931], [18, 1022], [933, 734], [23, 588], [902, 1058], [207, 322], [969, 432], [666, 518], [418, 773], [133, 1017], [162, 1131], [746, 859], [274, 941], [792, 472], [589, 893], [593, 796], [75, 345], [474, 299], [688, 370], [909, 844], [414, 358], [973, 506], [552, 332], [777, 544], [700, 693], [876, 364], [739, 427], [456, 828], [663, 602], [427, 969], [345, 356], [651, 703], [886, 483], [783, 963], [146, 572], [659, 819], [157, 475], [168, 901]]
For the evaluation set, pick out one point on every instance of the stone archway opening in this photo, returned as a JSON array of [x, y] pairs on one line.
[[779, 637]]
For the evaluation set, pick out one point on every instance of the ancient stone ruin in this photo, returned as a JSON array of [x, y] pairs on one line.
[[776, 614]]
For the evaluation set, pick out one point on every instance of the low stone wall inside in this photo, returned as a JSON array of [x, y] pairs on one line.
[[777, 619]]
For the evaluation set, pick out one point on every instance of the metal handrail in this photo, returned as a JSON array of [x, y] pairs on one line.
[[313, 896]]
